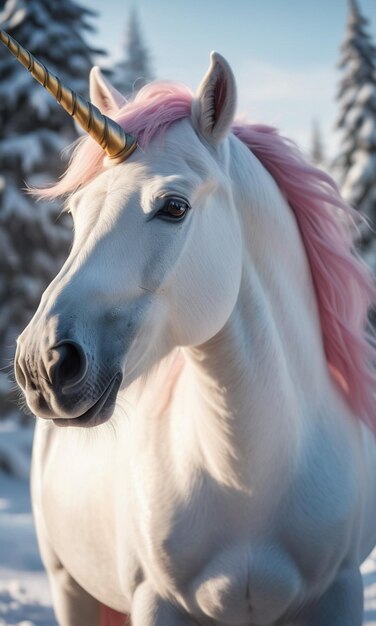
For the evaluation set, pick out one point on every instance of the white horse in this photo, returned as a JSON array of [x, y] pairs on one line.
[[198, 363]]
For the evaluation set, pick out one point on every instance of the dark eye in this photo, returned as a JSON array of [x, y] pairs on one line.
[[173, 210]]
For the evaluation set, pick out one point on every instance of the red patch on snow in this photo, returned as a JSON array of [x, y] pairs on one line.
[[110, 617]]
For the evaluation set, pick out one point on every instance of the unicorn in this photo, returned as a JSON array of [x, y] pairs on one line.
[[204, 450]]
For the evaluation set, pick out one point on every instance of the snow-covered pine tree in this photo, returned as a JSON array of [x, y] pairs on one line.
[[355, 165], [133, 71], [33, 131], [317, 146]]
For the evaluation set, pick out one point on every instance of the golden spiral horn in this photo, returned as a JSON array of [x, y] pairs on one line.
[[117, 144]]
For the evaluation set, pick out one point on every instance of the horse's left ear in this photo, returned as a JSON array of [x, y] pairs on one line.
[[214, 107], [103, 94]]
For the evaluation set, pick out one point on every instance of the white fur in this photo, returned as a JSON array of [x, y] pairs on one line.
[[232, 485]]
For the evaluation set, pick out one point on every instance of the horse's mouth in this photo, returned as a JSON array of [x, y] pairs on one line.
[[100, 412]]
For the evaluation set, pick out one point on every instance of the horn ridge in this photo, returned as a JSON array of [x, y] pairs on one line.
[[105, 132], [74, 103], [117, 144]]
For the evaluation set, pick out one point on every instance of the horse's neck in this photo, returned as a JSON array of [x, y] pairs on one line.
[[250, 390], [278, 286], [238, 407]]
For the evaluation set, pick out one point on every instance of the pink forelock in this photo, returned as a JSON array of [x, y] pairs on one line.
[[154, 109], [344, 287]]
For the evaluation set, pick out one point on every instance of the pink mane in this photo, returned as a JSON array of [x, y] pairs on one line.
[[344, 287]]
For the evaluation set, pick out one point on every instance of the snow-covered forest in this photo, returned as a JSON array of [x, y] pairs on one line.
[[133, 70], [355, 164], [35, 134]]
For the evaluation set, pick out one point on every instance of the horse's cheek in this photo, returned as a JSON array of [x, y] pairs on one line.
[[206, 293]]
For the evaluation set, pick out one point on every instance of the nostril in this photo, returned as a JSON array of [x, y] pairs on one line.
[[69, 365]]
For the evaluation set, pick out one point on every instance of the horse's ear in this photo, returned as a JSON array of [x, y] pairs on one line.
[[214, 107], [103, 94]]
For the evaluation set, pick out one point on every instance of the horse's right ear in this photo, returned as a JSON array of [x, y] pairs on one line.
[[214, 107], [102, 94]]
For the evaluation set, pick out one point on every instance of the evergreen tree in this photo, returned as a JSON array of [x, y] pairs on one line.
[[133, 71], [317, 149], [33, 131], [355, 165]]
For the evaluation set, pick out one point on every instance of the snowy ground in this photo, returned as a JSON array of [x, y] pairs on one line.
[[24, 595]]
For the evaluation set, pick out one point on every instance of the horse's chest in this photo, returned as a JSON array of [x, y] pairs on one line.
[[219, 571], [208, 552], [93, 539], [226, 559]]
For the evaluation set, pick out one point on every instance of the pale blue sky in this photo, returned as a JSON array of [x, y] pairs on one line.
[[283, 52]]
